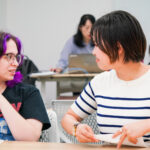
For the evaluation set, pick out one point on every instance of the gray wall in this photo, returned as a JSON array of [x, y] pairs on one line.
[[45, 25], [2, 14]]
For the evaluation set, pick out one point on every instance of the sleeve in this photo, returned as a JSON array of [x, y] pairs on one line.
[[33, 107], [85, 103], [67, 50]]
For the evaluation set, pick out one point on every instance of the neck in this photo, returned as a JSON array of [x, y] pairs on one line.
[[131, 71], [86, 41], [2, 87]]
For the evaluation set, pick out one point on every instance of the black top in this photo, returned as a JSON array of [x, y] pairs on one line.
[[26, 99]]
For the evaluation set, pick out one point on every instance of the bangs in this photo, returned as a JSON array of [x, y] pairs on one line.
[[97, 37], [101, 37]]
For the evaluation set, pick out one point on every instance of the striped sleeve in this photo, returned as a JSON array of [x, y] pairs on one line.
[[85, 103]]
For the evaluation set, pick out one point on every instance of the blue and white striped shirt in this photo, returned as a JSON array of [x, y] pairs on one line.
[[117, 102]]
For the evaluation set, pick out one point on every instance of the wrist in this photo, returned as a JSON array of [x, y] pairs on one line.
[[147, 126], [75, 125]]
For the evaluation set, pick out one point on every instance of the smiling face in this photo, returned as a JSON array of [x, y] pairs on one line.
[[8, 68]]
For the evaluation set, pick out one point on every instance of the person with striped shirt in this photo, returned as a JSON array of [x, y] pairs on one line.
[[120, 96]]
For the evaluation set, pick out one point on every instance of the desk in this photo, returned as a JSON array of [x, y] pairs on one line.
[[60, 77], [15, 145]]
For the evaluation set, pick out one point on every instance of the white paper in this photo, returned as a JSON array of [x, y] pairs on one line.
[[44, 73], [1, 141], [108, 138]]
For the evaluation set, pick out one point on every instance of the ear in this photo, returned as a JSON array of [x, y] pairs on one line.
[[120, 49]]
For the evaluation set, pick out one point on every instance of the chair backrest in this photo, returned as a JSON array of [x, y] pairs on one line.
[[26, 68], [61, 107], [51, 134]]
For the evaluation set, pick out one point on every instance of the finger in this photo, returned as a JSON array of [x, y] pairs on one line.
[[116, 134], [132, 140], [52, 69], [89, 133], [122, 138], [83, 139], [57, 70], [96, 140]]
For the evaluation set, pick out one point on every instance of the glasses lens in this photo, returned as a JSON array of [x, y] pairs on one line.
[[12, 57], [18, 58]]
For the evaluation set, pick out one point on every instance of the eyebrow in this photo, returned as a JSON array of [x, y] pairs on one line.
[[11, 53]]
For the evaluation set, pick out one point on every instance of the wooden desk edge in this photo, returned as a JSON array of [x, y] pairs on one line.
[[19, 145], [65, 75]]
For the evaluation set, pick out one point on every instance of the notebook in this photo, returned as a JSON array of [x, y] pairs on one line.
[[83, 63]]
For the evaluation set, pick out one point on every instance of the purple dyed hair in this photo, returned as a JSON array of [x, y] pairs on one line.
[[4, 38]]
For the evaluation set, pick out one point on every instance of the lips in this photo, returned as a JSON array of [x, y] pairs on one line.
[[97, 60], [12, 72]]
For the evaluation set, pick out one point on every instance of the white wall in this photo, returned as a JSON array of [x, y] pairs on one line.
[[140, 9], [2, 13], [45, 25]]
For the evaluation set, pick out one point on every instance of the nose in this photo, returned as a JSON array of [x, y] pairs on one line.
[[89, 30]]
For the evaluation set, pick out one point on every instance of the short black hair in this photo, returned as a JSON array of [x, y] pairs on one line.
[[120, 27]]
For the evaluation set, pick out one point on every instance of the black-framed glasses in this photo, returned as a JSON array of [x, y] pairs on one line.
[[12, 57]]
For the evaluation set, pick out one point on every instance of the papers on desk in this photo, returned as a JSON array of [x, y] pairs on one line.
[[108, 138], [42, 73], [1, 141]]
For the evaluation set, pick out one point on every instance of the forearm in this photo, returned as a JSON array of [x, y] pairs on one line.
[[83, 132], [147, 126], [69, 120], [20, 128]]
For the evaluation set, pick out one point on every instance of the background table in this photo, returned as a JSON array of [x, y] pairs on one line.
[[60, 77]]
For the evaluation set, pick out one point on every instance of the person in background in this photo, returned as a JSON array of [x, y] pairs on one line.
[[120, 96], [149, 53], [22, 112], [77, 44]]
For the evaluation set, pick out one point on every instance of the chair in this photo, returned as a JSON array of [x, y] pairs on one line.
[[61, 107], [26, 68], [51, 134]]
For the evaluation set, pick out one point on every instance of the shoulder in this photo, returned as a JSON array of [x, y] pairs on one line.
[[70, 46], [104, 75], [103, 78], [70, 41], [24, 88]]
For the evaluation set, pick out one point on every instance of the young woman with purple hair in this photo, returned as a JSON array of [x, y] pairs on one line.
[[22, 112]]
